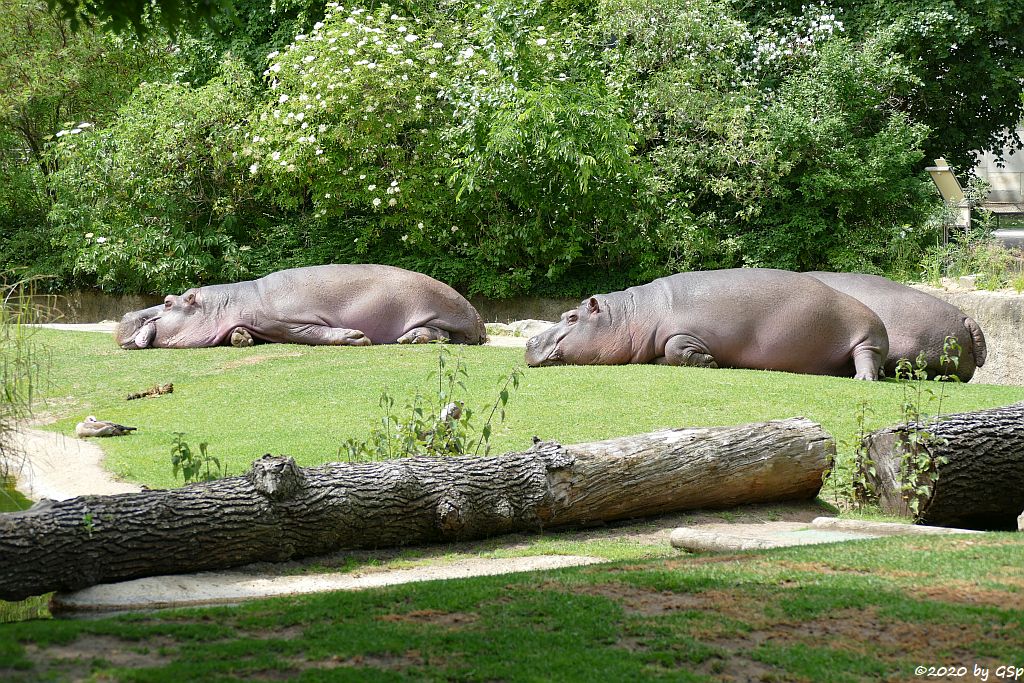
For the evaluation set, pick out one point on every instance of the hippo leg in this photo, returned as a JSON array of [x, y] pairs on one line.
[[422, 335], [867, 360], [322, 335], [682, 349], [240, 338]]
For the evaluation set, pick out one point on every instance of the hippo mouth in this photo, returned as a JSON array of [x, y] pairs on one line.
[[139, 336], [534, 358]]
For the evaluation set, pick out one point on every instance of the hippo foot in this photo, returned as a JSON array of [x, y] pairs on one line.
[[682, 349], [357, 338], [240, 338], [423, 335]]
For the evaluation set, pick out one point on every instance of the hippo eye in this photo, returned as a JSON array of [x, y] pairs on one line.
[[573, 317]]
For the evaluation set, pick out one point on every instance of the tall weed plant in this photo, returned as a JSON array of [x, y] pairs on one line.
[[435, 425], [22, 363]]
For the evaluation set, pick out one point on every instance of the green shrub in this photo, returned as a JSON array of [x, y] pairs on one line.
[[153, 202]]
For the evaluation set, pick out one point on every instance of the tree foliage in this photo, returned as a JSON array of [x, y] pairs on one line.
[[968, 57], [544, 146]]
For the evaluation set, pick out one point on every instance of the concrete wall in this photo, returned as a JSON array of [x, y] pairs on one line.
[[1008, 180], [91, 307], [1001, 317]]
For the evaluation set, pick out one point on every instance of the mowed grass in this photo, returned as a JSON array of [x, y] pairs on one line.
[[868, 610], [307, 401]]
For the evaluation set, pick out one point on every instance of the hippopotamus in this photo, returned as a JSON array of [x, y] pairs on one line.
[[341, 305], [737, 318], [915, 322]]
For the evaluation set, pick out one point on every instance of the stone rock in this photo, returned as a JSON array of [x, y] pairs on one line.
[[530, 327], [519, 328]]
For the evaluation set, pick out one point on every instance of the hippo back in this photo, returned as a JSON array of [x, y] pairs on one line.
[[383, 302], [915, 322]]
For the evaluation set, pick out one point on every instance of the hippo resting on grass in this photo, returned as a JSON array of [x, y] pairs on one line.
[[341, 305], [741, 318], [915, 322]]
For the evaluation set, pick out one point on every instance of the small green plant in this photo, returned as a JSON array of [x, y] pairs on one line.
[[851, 481], [87, 524], [977, 254], [1018, 283], [22, 362], [918, 469], [193, 467], [445, 428]]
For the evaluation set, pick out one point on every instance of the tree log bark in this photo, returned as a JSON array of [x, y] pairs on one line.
[[980, 469], [280, 511]]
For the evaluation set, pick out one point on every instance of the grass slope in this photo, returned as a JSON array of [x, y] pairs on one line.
[[873, 610], [306, 401]]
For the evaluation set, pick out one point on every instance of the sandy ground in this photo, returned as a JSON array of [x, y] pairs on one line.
[[59, 467]]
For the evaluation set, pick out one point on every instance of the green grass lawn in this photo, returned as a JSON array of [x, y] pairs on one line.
[[871, 610], [306, 401]]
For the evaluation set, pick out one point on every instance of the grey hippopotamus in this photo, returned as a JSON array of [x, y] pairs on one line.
[[342, 305], [915, 322], [739, 318]]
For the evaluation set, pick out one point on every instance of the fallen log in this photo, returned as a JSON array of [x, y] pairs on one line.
[[976, 460], [279, 511]]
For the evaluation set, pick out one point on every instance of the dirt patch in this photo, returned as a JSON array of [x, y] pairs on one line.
[[287, 633], [649, 602], [295, 666], [813, 567], [390, 661], [76, 660], [450, 620], [644, 601], [825, 569], [746, 627], [966, 593]]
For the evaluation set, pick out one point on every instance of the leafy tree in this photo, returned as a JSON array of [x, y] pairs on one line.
[[52, 79], [50, 75], [138, 15], [967, 56], [254, 29]]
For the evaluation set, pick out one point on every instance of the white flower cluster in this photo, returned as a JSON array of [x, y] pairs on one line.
[[74, 130], [348, 88], [817, 24]]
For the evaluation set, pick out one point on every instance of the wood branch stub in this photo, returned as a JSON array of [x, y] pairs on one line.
[[279, 511], [981, 483]]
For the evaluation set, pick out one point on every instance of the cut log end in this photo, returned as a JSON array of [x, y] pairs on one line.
[[970, 473], [277, 477]]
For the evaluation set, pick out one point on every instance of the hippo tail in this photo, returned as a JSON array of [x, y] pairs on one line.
[[980, 349]]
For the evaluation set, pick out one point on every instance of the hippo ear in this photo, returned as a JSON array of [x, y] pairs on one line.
[[593, 306], [190, 298]]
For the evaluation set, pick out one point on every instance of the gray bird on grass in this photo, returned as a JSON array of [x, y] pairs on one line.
[[94, 427]]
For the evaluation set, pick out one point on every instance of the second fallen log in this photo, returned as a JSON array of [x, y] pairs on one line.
[[280, 511], [964, 470]]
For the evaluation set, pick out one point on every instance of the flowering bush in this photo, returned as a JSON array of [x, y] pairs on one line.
[[544, 146]]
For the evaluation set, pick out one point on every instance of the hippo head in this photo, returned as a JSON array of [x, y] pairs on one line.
[[185, 321], [584, 336]]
